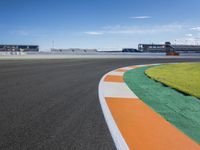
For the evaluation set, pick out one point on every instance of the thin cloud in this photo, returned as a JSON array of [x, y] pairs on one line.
[[196, 28], [118, 29], [188, 40], [141, 17], [189, 35], [94, 33]]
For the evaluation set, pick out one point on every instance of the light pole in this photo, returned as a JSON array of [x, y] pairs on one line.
[[53, 44]]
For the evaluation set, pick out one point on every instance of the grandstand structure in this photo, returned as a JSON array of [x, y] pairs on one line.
[[159, 48], [19, 48]]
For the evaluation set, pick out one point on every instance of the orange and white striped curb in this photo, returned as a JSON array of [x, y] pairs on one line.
[[133, 124]]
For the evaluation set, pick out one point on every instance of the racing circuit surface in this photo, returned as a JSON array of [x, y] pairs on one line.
[[54, 104]]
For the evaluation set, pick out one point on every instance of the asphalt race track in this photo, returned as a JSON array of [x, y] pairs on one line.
[[54, 105]]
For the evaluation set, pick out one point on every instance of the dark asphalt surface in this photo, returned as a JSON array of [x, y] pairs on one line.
[[54, 105]]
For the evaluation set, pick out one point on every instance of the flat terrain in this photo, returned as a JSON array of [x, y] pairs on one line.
[[184, 77], [54, 105]]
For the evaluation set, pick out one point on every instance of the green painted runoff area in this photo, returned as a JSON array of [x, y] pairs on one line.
[[181, 110], [184, 77]]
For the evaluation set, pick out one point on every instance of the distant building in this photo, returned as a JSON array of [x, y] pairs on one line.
[[19, 48], [129, 50], [74, 50], [162, 48], [151, 47]]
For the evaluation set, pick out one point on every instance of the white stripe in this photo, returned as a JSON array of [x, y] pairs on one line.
[[155, 64], [141, 65], [116, 73], [114, 130], [118, 90], [127, 68]]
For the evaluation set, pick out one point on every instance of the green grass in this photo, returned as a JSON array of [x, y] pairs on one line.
[[184, 77], [183, 111]]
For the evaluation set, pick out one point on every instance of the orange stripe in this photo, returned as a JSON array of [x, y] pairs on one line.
[[144, 129], [113, 78], [121, 70], [133, 67]]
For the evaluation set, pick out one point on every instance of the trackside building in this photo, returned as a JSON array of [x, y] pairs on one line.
[[19, 48], [162, 48]]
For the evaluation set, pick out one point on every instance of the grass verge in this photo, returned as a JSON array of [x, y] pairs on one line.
[[184, 77]]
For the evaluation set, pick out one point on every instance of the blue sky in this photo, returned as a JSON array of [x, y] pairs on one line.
[[99, 23]]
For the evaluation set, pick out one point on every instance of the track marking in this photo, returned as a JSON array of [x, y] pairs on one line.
[[114, 78], [132, 123], [116, 73], [133, 67], [144, 129], [114, 130], [112, 90], [121, 70]]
